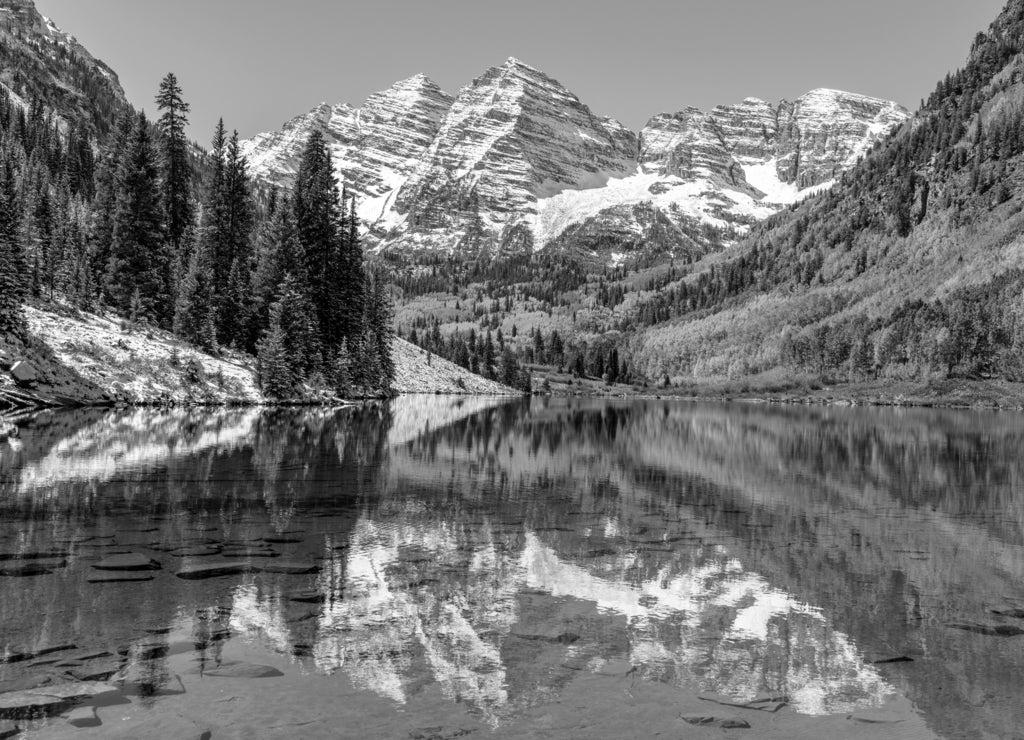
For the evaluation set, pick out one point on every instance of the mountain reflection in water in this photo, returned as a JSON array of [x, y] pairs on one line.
[[497, 551]]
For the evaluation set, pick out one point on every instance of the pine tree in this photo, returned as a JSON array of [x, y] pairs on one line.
[[194, 310], [333, 259], [101, 235], [278, 255], [380, 329], [229, 219], [302, 335], [176, 179], [273, 371], [139, 260]]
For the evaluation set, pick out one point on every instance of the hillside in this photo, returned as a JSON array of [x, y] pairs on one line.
[[420, 371], [80, 357], [910, 267]]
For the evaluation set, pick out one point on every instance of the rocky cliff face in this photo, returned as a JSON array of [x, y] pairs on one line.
[[802, 144], [511, 137], [374, 147], [65, 76], [516, 162]]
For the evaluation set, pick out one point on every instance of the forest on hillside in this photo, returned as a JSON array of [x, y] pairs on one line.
[[132, 218]]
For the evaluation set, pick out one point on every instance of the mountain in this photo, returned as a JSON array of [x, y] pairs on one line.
[[911, 267], [374, 147], [40, 61], [516, 163]]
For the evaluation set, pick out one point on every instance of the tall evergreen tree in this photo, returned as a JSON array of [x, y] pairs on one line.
[[333, 260], [139, 260], [229, 218], [275, 376], [176, 180], [379, 328], [194, 309]]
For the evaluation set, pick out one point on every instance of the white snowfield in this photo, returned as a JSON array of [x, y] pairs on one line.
[[516, 149], [420, 371], [149, 365]]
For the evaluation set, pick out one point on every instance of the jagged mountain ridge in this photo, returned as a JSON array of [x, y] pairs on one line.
[[516, 162]]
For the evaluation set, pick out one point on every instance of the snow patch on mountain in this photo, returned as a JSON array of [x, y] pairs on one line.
[[700, 199], [765, 177]]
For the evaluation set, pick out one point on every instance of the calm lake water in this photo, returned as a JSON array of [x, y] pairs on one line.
[[440, 567]]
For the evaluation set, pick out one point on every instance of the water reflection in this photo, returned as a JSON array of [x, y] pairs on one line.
[[494, 553]]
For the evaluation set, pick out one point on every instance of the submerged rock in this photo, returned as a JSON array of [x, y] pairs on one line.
[[242, 670], [127, 561], [45, 555], [49, 699], [25, 570], [84, 717], [213, 570], [310, 596], [1014, 612], [997, 630], [894, 659], [292, 568], [253, 552], [16, 656], [195, 552], [765, 702], [113, 576]]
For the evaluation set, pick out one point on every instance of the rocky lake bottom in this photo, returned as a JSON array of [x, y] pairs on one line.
[[476, 567]]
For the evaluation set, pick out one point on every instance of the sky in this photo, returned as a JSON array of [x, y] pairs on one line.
[[258, 63]]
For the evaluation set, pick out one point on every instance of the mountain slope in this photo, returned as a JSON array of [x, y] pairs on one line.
[[39, 61], [909, 267], [516, 163]]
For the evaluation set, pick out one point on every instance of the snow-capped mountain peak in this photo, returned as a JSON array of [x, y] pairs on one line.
[[517, 162]]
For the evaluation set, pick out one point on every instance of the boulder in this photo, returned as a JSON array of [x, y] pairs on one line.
[[24, 374]]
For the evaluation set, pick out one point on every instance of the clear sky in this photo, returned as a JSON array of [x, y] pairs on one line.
[[257, 63]]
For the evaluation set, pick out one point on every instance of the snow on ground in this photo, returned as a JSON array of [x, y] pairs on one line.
[[419, 371], [145, 365]]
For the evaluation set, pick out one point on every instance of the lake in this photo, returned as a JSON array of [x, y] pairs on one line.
[[441, 567]]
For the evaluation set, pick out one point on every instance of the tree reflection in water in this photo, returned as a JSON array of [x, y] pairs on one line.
[[497, 550]]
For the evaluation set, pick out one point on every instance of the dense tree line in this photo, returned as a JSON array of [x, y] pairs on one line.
[[144, 224], [976, 332]]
